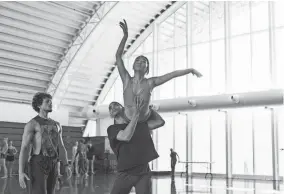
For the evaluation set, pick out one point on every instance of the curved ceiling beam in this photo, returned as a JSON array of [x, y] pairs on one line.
[[74, 55]]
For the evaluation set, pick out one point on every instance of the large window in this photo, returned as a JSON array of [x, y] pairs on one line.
[[180, 138], [200, 140], [263, 146], [218, 127], [242, 146], [241, 64], [165, 143], [280, 141], [250, 68]]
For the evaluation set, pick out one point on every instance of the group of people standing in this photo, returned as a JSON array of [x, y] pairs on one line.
[[7, 157], [83, 157]]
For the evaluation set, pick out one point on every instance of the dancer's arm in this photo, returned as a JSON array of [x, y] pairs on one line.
[[119, 62], [156, 121], [16, 151], [26, 140], [63, 154], [156, 81], [62, 150], [127, 133]]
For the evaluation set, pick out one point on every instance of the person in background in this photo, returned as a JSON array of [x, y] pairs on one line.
[[90, 157], [10, 157], [174, 156], [82, 159], [74, 162], [3, 152]]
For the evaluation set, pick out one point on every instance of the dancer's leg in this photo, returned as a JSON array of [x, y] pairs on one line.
[[37, 176], [52, 178], [144, 185], [5, 169], [123, 183]]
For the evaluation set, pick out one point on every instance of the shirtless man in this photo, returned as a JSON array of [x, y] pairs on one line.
[[45, 136], [139, 85]]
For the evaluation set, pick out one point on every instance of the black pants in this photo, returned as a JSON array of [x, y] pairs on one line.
[[124, 183], [43, 174], [173, 165]]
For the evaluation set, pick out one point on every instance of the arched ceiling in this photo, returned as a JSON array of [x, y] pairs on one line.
[[65, 48]]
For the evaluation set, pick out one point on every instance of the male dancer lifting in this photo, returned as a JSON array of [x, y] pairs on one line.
[[134, 148], [45, 136]]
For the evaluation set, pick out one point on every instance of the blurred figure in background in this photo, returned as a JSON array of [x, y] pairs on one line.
[[90, 157], [3, 152], [10, 157]]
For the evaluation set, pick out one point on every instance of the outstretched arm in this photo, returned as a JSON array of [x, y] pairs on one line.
[[156, 121], [156, 81], [119, 62]]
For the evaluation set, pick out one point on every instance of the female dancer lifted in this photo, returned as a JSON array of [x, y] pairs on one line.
[[139, 85]]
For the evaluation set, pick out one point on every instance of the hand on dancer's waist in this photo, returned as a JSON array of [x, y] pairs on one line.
[[22, 177]]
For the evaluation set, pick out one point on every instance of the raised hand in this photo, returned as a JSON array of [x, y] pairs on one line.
[[196, 73], [124, 27]]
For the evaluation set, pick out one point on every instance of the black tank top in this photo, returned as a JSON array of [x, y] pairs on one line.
[[50, 137]]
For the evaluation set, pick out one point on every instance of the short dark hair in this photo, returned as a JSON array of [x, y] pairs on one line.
[[38, 99], [112, 103]]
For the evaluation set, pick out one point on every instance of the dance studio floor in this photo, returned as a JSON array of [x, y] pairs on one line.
[[101, 184]]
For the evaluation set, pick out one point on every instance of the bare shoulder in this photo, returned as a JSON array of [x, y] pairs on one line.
[[31, 125]]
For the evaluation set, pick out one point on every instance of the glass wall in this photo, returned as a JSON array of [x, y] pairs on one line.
[[253, 44]]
